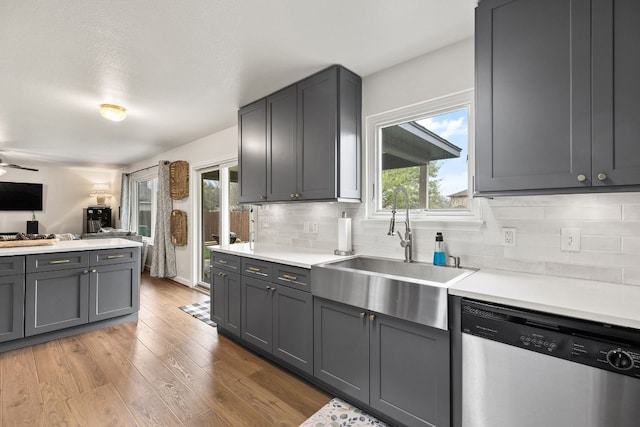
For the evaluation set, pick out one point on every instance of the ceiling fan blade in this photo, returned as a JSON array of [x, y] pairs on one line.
[[10, 165]]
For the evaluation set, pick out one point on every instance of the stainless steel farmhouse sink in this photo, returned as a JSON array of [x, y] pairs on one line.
[[412, 291]]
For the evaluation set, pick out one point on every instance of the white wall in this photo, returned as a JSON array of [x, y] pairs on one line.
[[65, 191], [208, 151]]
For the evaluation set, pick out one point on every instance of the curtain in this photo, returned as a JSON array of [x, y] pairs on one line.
[[125, 202], [163, 261]]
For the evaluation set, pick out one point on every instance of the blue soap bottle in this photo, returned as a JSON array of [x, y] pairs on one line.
[[439, 257]]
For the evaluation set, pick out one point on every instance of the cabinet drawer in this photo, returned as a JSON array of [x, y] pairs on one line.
[[256, 268], [293, 277], [11, 265], [225, 261], [57, 261], [114, 256]]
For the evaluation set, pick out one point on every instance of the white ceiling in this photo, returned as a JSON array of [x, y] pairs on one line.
[[182, 69]]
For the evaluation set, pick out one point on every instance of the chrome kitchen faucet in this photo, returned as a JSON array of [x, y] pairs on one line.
[[406, 242]]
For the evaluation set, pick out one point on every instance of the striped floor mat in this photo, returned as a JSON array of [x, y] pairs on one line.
[[200, 310]]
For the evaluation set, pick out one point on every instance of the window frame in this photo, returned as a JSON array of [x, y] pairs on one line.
[[374, 125], [133, 222]]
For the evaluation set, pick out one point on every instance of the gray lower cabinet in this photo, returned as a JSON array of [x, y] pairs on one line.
[[114, 291], [56, 300], [556, 109], [397, 367], [278, 320], [341, 347], [68, 289], [225, 300], [410, 372], [11, 307]]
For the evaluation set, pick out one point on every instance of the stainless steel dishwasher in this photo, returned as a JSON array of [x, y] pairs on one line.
[[525, 368]]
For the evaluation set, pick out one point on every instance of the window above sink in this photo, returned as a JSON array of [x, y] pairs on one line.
[[427, 148]]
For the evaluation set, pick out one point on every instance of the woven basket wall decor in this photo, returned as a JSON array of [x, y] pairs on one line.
[[178, 227], [179, 179]]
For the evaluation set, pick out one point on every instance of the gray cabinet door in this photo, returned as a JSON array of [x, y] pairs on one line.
[[252, 152], [11, 307], [114, 290], [616, 90], [225, 300], [257, 313], [293, 327], [410, 372], [533, 89], [218, 297], [341, 347], [317, 135], [281, 145], [56, 300]]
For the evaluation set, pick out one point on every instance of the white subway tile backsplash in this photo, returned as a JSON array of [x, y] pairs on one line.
[[600, 243], [589, 272], [518, 212], [631, 277], [601, 212], [631, 245], [609, 226]]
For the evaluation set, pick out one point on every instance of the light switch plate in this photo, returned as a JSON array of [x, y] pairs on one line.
[[570, 239]]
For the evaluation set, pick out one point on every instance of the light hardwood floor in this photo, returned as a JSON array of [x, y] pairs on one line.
[[166, 369]]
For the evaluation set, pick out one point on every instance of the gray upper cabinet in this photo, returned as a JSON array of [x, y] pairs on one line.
[[282, 145], [544, 121], [312, 147], [252, 152], [616, 67]]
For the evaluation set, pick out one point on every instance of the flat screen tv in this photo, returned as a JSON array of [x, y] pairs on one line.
[[20, 196]]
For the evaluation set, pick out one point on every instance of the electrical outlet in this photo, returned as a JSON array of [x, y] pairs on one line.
[[508, 236], [314, 228], [570, 239]]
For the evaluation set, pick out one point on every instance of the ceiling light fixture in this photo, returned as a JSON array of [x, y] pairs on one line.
[[113, 112]]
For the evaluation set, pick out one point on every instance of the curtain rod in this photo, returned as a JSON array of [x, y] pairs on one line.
[[149, 167]]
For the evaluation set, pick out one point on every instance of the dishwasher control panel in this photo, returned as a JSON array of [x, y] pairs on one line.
[[601, 346]]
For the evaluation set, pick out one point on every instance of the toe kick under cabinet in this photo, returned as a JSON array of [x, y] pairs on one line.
[[68, 289]]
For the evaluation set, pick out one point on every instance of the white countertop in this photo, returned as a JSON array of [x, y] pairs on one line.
[[604, 302], [300, 257], [71, 245]]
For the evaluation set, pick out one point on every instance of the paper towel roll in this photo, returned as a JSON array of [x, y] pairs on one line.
[[344, 234]]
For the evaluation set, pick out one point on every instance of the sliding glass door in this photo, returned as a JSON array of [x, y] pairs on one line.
[[223, 221]]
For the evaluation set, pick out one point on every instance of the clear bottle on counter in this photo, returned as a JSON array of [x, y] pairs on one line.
[[439, 255]]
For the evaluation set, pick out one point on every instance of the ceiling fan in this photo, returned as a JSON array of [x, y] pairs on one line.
[[14, 166]]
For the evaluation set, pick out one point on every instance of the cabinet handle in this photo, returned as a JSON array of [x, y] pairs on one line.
[[60, 261], [372, 317], [263, 197], [582, 178], [94, 270], [602, 176], [85, 271], [268, 288], [115, 256], [293, 196], [288, 277], [297, 196], [221, 274], [362, 314], [254, 269], [221, 261]]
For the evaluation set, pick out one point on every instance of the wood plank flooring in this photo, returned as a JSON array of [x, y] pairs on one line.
[[166, 369]]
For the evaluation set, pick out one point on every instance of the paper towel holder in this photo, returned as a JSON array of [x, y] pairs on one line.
[[348, 224]]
